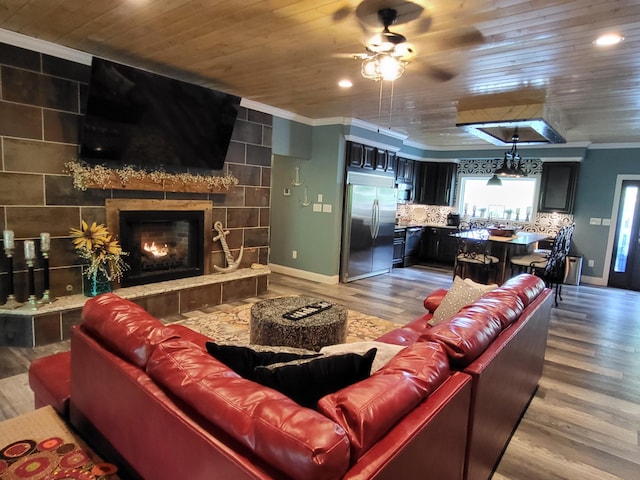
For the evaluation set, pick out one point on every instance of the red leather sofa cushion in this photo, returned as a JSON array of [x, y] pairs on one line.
[[299, 441], [50, 380], [526, 286], [367, 410], [434, 300], [466, 335], [506, 305], [128, 329]]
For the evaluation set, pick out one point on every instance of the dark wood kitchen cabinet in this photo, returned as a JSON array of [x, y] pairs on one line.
[[558, 187], [435, 183], [371, 158], [404, 171], [355, 154], [438, 247]]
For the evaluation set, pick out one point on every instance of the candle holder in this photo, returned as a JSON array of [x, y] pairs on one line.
[[11, 303], [32, 301], [47, 296]]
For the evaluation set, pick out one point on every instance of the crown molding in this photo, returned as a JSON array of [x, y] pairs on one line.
[[43, 46]]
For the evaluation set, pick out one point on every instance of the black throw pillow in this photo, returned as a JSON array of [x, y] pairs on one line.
[[307, 381], [243, 359]]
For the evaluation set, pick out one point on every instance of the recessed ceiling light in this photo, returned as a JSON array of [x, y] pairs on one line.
[[345, 83], [608, 39]]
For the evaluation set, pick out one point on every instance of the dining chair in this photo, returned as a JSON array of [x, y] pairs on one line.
[[473, 257], [537, 259], [551, 267]]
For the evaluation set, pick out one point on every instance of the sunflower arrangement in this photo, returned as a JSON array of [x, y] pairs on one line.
[[100, 250]]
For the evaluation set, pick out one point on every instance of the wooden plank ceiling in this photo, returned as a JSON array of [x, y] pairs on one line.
[[291, 54]]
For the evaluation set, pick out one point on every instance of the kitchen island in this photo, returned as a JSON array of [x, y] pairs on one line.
[[504, 247]]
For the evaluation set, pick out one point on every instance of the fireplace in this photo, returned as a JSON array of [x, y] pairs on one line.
[[165, 239], [162, 245]]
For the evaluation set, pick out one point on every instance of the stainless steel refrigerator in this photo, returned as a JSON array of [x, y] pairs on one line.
[[369, 221]]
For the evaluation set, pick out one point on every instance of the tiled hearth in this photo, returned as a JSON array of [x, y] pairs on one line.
[[53, 322]]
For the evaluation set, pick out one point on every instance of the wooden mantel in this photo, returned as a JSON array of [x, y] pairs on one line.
[[147, 184]]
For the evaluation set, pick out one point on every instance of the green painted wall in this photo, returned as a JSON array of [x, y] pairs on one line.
[[595, 197], [314, 235], [291, 139]]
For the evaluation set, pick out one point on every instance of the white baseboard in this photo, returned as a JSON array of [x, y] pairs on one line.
[[314, 277]]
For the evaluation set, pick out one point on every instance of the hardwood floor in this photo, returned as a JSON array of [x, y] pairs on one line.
[[582, 424]]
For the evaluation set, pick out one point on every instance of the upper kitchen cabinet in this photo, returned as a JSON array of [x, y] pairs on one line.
[[435, 183], [355, 154], [371, 158], [558, 186], [404, 170]]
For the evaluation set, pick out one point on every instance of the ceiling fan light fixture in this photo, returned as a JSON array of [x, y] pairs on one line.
[[382, 67]]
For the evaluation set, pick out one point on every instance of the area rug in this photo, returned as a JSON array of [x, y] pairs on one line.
[[233, 325], [39, 446]]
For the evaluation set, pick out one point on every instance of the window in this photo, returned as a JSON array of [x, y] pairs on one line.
[[513, 200]]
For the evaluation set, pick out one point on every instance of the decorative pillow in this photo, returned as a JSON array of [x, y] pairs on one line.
[[243, 359], [307, 381], [384, 353], [461, 293]]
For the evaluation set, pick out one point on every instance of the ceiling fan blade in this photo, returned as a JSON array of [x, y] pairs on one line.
[[342, 13], [463, 37], [440, 74], [352, 56]]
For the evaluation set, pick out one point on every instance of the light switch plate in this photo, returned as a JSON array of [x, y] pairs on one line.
[[320, 196], [606, 222], [595, 221]]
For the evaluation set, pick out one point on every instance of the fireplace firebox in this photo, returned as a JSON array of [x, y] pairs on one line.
[[162, 245]]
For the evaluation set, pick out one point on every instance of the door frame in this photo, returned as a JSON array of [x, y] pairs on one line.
[[614, 222]]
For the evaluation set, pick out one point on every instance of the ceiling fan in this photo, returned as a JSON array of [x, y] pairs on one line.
[[387, 52]]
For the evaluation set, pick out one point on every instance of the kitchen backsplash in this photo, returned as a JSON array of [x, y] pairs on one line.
[[415, 214]]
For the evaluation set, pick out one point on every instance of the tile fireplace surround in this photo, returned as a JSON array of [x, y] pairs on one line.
[[53, 322]]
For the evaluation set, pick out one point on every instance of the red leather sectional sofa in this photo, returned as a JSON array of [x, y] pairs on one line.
[[442, 408]]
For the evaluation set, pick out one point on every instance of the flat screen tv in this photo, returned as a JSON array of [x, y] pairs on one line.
[[149, 121]]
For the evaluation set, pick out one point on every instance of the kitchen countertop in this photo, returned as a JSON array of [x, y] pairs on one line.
[[430, 225]]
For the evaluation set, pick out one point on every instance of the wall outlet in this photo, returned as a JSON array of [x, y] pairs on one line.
[[591, 263], [606, 222], [286, 192], [294, 254], [326, 208], [595, 221]]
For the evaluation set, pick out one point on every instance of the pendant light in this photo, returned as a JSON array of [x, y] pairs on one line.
[[512, 162]]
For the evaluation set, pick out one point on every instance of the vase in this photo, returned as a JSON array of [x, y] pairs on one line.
[[96, 284]]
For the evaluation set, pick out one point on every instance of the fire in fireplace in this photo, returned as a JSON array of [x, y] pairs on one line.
[[162, 245]]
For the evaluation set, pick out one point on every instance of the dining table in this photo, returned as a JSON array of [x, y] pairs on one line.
[[503, 247]]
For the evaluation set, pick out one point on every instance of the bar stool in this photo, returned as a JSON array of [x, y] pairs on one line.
[[473, 254]]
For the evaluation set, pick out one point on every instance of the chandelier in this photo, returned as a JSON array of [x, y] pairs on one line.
[[511, 164]]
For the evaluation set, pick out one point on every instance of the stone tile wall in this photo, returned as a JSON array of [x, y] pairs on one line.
[[41, 106]]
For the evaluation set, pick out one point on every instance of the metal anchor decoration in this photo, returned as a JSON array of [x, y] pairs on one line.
[[232, 265]]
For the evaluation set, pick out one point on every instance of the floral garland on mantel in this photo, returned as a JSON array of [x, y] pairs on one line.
[[98, 176]]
